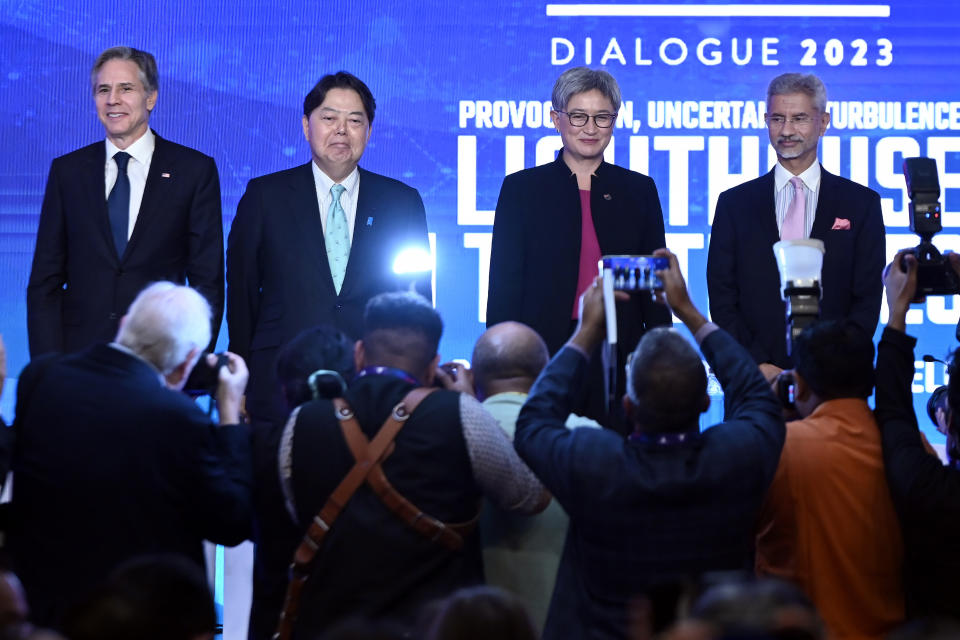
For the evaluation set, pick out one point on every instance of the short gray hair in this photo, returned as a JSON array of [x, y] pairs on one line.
[[807, 84], [164, 323], [144, 61], [666, 381], [581, 79]]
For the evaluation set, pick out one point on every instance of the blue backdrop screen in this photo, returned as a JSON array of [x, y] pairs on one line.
[[463, 95]]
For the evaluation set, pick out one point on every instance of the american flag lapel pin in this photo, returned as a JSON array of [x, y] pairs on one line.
[[607, 196], [370, 221], [164, 175]]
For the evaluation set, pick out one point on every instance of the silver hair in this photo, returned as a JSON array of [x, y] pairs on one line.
[[164, 323], [807, 84], [144, 61], [581, 79]]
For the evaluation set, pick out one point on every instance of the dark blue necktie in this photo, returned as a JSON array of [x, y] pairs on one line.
[[118, 203]]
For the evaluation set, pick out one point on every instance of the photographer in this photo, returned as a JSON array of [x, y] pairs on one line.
[[669, 502], [828, 523], [925, 492], [112, 461]]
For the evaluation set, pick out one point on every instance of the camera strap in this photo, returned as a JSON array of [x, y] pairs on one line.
[[368, 456]]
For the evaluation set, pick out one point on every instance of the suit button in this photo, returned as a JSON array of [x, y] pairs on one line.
[[339, 306], [119, 272]]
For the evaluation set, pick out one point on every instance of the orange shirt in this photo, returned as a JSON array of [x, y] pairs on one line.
[[828, 522]]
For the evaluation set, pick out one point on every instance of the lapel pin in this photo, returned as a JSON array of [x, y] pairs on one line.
[[607, 196], [164, 175], [370, 221]]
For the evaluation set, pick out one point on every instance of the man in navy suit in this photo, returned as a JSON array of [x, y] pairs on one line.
[[797, 199], [311, 245], [120, 214], [291, 227]]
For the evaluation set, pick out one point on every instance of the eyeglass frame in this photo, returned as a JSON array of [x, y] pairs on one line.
[[801, 120], [612, 116]]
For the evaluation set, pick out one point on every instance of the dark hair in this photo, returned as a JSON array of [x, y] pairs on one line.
[[322, 347], [480, 613], [754, 608], [523, 355], [401, 326], [666, 382], [339, 80], [145, 61], [835, 357], [161, 597]]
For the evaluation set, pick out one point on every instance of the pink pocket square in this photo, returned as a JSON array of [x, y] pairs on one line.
[[840, 223]]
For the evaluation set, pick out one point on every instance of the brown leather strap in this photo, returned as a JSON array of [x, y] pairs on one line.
[[449, 535], [304, 555]]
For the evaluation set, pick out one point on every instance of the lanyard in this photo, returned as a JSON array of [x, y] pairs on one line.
[[663, 439], [387, 371]]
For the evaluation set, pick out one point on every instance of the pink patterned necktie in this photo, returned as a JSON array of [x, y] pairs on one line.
[[794, 227]]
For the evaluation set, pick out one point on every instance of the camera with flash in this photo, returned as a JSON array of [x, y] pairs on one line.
[[800, 263]]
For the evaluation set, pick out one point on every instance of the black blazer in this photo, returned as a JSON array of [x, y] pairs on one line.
[[534, 260], [79, 288], [278, 277], [742, 276], [109, 464]]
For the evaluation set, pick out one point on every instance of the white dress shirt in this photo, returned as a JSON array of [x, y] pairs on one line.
[[784, 194], [138, 168], [348, 199]]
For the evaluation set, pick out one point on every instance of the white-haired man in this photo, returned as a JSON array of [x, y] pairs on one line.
[[111, 462]]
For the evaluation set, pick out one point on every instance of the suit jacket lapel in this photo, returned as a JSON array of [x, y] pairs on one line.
[[159, 179], [768, 208], [363, 230], [304, 209], [92, 180], [823, 220]]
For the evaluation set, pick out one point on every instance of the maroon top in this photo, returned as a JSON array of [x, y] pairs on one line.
[[589, 251]]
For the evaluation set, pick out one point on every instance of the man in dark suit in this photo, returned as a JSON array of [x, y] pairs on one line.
[[669, 502], [120, 214], [797, 199], [311, 245], [112, 461]]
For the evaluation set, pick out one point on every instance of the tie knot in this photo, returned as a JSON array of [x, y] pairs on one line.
[[797, 183], [336, 190], [122, 158]]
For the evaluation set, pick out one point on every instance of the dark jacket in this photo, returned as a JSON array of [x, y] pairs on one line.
[[925, 492], [640, 511], [278, 276], [534, 259], [371, 563], [109, 464], [79, 288], [742, 276]]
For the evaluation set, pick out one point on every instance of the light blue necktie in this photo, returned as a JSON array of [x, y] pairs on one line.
[[337, 237]]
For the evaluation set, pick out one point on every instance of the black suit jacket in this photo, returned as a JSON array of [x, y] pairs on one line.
[[278, 276], [742, 276], [534, 259], [79, 288], [108, 464]]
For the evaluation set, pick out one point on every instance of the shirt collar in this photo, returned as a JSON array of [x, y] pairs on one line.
[[324, 182], [141, 150], [810, 177]]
